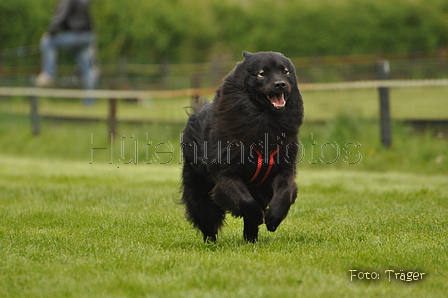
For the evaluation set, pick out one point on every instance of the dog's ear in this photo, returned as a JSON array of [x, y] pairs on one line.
[[246, 54]]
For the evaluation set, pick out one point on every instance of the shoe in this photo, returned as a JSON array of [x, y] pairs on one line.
[[44, 80]]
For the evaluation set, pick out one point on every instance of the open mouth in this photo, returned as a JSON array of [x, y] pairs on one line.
[[277, 100]]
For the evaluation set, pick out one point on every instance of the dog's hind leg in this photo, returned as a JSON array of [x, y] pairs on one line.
[[250, 231], [201, 211]]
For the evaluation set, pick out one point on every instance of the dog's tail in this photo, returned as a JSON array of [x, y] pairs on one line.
[[196, 104]]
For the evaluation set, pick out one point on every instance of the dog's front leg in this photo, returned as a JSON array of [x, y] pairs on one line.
[[285, 193], [232, 194]]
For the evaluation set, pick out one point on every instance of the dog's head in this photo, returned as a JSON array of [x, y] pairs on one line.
[[270, 78]]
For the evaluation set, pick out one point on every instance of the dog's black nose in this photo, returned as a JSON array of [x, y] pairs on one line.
[[280, 84]]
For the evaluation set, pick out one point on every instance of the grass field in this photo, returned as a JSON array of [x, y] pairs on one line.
[[73, 229], [83, 222]]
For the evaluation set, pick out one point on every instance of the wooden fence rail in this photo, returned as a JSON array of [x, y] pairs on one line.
[[114, 95]]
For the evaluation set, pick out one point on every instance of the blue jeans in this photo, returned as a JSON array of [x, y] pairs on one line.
[[83, 46]]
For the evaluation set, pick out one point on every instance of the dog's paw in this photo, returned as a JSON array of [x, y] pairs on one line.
[[250, 231], [272, 220], [210, 238]]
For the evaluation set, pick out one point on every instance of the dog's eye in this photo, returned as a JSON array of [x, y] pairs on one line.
[[262, 73], [286, 71]]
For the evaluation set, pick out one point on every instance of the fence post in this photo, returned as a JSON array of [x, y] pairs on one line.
[[112, 116], [34, 111], [195, 84], [1, 67], [385, 122], [122, 72], [165, 70]]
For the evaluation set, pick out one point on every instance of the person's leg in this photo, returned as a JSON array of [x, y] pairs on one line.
[[49, 46], [85, 60], [49, 58], [71, 39]]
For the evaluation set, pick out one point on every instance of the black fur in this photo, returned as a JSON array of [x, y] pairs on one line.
[[219, 143]]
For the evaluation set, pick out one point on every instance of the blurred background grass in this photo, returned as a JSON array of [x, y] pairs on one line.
[[346, 142], [171, 45]]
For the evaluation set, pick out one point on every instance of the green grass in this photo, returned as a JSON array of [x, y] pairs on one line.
[[324, 146], [69, 228], [73, 229]]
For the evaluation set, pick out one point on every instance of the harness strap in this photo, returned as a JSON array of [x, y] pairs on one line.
[[260, 166]]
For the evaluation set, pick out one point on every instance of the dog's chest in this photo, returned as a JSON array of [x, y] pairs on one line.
[[255, 166]]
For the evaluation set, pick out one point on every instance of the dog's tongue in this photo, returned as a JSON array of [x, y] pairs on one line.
[[278, 100]]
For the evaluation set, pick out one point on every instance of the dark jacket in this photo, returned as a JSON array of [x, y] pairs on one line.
[[71, 15]]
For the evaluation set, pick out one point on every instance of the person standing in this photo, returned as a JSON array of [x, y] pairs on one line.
[[70, 28]]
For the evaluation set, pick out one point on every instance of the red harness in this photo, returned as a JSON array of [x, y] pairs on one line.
[[260, 167]]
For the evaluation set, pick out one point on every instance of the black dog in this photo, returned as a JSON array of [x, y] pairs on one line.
[[240, 151]]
